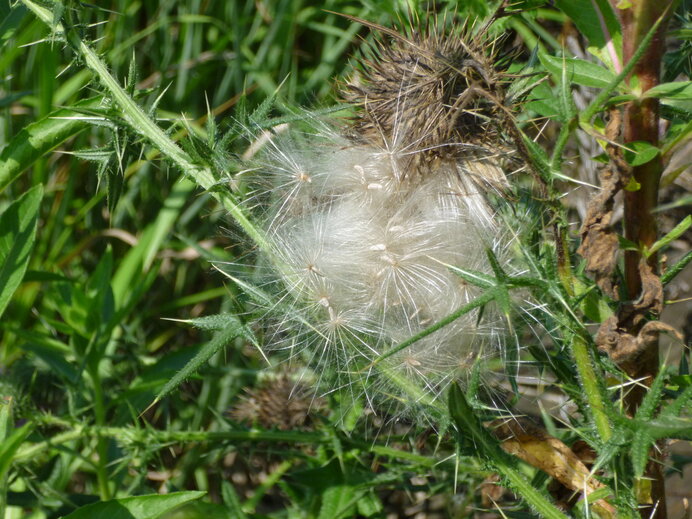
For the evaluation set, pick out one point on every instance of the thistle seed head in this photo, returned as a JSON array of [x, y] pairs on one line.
[[429, 95], [367, 223], [278, 403]]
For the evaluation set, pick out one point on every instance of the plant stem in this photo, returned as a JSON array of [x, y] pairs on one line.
[[469, 424], [145, 126], [146, 436], [101, 442], [593, 391], [641, 123]]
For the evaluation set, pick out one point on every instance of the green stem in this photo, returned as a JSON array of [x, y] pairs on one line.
[[148, 437], [488, 446], [483, 299], [101, 442], [418, 394], [592, 388], [145, 126], [562, 140]]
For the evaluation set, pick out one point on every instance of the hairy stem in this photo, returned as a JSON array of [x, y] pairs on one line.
[[149, 129], [641, 123], [591, 385], [146, 436]]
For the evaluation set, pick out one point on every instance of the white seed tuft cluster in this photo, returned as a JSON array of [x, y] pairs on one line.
[[364, 251]]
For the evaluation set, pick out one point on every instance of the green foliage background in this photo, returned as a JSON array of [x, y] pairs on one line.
[[107, 265]]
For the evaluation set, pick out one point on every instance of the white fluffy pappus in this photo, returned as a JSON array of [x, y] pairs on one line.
[[362, 253]]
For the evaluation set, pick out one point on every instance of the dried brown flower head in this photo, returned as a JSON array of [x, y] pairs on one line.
[[433, 94], [278, 403]]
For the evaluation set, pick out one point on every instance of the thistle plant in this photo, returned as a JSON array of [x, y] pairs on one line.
[[376, 227]]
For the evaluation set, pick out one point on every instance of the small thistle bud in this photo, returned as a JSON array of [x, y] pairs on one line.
[[368, 222], [278, 403]]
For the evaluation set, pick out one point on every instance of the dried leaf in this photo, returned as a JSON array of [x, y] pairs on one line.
[[599, 245], [616, 337], [536, 447], [624, 348]]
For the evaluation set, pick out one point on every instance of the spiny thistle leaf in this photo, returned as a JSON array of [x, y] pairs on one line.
[[234, 329], [653, 397], [639, 451], [667, 426], [613, 447], [489, 448], [212, 323], [681, 401]]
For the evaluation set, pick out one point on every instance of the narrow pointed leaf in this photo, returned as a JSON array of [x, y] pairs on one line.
[[219, 341], [668, 426], [139, 507], [652, 398], [673, 271], [673, 235], [577, 71], [596, 20], [677, 90], [639, 451], [41, 137], [17, 235]]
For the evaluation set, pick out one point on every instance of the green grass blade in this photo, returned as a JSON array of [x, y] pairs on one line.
[[17, 235], [10, 441], [232, 501], [41, 137], [167, 218]]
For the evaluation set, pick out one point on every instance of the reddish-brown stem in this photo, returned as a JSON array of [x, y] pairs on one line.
[[641, 123]]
